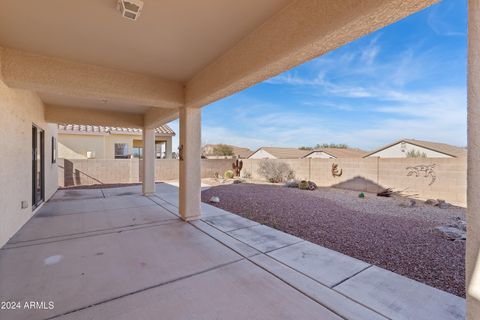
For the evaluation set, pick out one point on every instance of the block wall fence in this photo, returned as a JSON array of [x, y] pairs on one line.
[[422, 178]]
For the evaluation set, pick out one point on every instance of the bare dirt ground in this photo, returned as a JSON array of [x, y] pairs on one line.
[[374, 229]]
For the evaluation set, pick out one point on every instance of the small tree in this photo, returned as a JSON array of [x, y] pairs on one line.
[[415, 154], [275, 171], [223, 150], [332, 145]]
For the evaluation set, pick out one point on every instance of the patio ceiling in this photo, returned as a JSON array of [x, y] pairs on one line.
[[84, 54]]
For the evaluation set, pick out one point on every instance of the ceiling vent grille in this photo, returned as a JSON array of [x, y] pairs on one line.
[[130, 9]]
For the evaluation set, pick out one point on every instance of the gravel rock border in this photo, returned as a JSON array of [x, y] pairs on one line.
[[373, 229]]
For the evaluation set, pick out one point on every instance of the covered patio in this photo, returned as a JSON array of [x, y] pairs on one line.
[[115, 254], [159, 252]]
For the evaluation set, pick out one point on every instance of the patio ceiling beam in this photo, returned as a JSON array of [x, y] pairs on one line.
[[88, 116], [302, 31], [155, 117], [45, 74]]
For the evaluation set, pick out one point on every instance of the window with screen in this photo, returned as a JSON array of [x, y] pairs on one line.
[[121, 151]]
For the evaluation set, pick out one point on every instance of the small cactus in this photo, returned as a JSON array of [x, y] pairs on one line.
[[237, 166], [228, 174]]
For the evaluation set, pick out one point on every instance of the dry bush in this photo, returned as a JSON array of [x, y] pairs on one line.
[[275, 171]]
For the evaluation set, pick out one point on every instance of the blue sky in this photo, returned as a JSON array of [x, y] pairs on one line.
[[407, 80]]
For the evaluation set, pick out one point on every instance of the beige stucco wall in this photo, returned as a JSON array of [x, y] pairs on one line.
[[76, 146], [19, 110], [261, 154], [395, 151]]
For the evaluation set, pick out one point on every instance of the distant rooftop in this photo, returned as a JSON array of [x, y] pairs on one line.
[[284, 153], [340, 152], [164, 130], [444, 148]]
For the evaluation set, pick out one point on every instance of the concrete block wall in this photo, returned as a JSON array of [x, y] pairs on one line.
[[370, 174], [374, 174], [74, 172]]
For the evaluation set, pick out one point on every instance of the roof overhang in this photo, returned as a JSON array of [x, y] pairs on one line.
[[178, 53]]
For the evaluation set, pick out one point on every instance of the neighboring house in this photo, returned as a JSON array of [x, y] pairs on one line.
[[208, 152], [328, 153], [278, 153], [98, 142], [406, 147]]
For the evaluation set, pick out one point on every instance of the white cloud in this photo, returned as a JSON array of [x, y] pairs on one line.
[[399, 96], [438, 19]]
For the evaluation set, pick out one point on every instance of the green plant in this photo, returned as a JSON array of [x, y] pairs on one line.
[[275, 171], [361, 195], [415, 154], [228, 174], [223, 150], [303, 185]]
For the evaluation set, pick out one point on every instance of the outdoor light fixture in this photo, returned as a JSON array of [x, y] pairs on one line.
[[130, 9]]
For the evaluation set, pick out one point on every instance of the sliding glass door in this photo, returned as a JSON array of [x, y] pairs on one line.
[[38, 165]]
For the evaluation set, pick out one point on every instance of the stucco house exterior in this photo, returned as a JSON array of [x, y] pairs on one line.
[[102, 142], [335, 153], [82, 62], [277, 153], [294, 153], [407, 147]]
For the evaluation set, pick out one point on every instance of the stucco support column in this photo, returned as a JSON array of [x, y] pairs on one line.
[[189, 157], [473, 173], [148, 183], [168, 148]]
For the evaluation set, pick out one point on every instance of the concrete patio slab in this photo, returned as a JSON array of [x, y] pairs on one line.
[[84, 271], [83, 206], [123, 191], [210, 211], [64, 225], [237, 246], [237, 291], [401, 298], [164, 188], [229, 222], [82, 235], [264, 238], [171, 197], [324, 265], [77, 194], [170, 202], [133, 259], [331, 299]]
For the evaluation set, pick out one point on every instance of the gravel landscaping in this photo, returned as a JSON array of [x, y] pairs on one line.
[[380, 231]]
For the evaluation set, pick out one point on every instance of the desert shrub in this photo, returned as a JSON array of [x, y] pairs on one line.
[[223, 150], [303, 185], [228, 174], [275, 171], [307, 185]]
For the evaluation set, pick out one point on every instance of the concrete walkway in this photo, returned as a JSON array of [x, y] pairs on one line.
[[114, 254]]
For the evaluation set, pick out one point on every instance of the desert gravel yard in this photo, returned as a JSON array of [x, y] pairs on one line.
[[374, 229]]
